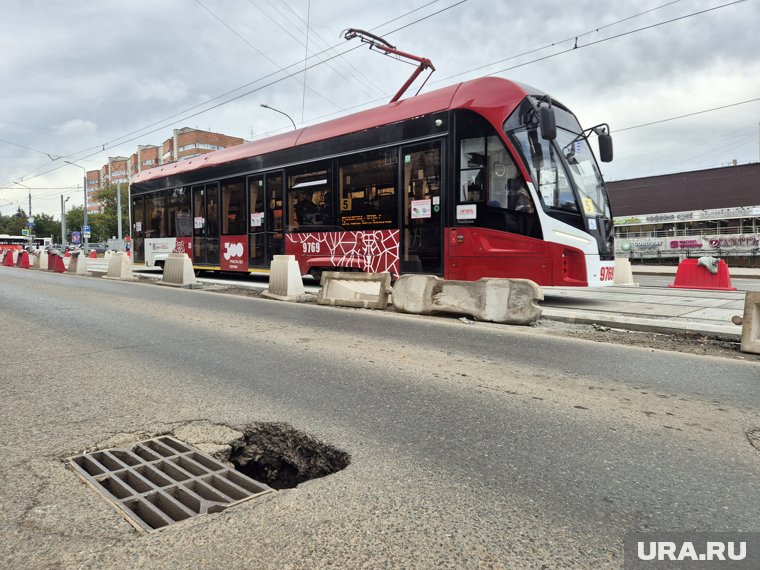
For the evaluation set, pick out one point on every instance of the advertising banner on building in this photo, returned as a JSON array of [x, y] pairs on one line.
[[709, 243], [689, 216]]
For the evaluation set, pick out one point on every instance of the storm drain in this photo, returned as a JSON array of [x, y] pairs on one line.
[[161, 481]]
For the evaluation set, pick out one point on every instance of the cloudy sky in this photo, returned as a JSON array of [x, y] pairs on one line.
[[83, 80]]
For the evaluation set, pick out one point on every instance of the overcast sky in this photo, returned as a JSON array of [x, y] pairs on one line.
[[78, 77]]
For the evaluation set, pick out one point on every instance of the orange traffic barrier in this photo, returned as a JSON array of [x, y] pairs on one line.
[[22, 260], [690, 275]]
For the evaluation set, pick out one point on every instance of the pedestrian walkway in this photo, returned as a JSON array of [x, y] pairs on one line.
[[656, 309]]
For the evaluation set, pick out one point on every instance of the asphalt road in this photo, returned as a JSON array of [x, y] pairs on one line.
[[472, 445]]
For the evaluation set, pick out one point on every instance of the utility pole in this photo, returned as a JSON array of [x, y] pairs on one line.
[[63, 220], [118, 213], [84, 186]]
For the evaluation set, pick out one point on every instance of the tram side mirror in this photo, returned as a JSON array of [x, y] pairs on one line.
[[548, 123], [605, 147]]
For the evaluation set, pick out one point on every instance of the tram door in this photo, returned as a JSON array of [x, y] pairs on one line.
[[421, 243], [206, 224], [265, 238]]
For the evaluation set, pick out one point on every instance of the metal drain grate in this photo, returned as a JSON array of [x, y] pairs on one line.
[[161, 481]]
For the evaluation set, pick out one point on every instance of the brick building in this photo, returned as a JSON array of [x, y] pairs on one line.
[[184, 143], [187, 143]]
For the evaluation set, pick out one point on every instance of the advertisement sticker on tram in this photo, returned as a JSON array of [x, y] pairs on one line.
[[234, 253]]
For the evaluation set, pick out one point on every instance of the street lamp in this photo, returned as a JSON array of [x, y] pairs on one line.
[[84, 186], [281, 113]]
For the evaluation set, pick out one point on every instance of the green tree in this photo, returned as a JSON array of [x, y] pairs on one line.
[[46, 226], [74, 220], [105, 225], [15, 223]]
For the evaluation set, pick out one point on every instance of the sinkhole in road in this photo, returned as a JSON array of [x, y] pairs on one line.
[[282, 457]]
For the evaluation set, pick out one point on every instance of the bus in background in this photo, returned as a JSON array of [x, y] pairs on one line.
[[20, 242], [486, 178]]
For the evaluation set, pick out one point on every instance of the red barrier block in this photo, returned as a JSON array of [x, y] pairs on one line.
[[67, 253], [23, 260], [55, 263], [93, 254], [692, 276], [8, 258]]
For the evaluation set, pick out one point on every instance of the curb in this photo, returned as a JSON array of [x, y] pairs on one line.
[[665, 326]]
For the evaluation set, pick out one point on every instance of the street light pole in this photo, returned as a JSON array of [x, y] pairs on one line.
[[281, 113], [84, 186]]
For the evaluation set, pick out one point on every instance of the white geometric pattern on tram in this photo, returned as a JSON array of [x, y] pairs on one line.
[[372, 251]]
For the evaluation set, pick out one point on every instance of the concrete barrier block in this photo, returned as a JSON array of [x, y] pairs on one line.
[[36, 260], [285, 283], [751, 323], [509, 301], [352, 289], [178, 271], [120, 267], [624, 273]]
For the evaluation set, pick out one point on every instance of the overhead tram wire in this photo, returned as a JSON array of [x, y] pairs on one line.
[[257, 50], [616, 36], [687, 115], [555, 43], [555, 54], [347, 65], [300, 42], [144, 132]]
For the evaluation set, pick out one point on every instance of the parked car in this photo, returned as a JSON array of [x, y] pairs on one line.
[[99, 248]]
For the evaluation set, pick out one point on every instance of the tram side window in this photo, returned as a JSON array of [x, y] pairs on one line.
[[367, 191], [178, 218], [155, 216], [233, 207], [310, 198]]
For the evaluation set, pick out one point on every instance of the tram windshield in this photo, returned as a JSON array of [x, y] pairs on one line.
[[564, 170]]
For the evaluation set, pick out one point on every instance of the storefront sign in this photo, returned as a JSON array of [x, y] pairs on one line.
[[738, 241], [690, 216]]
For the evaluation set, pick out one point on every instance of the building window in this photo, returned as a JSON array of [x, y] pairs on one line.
[[204, 146]]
